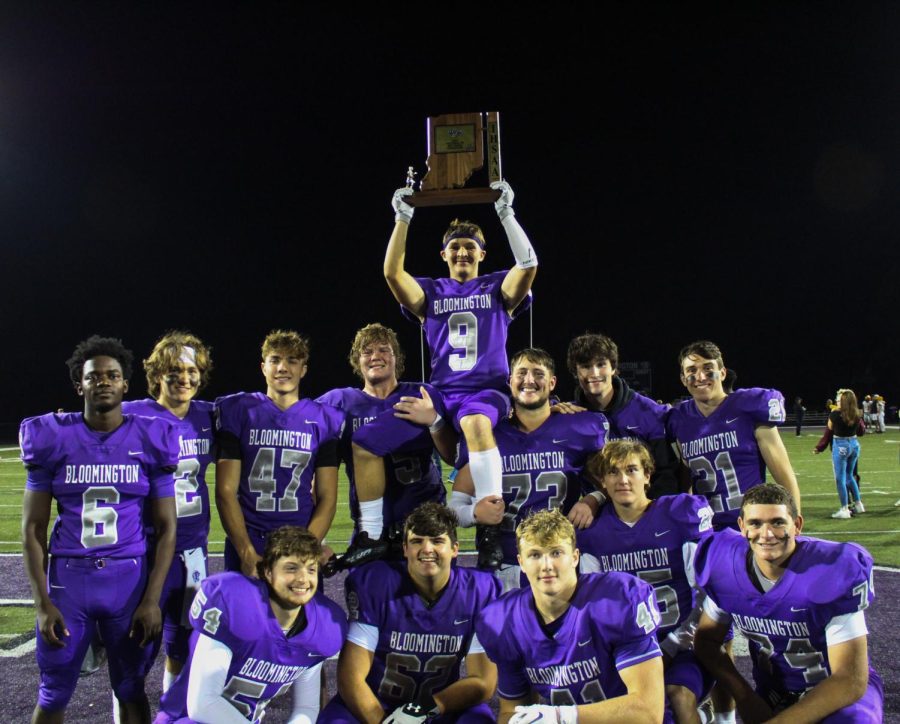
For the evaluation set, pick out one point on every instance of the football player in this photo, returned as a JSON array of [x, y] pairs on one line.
[[102, 467], [254, 638], [572, 648], [543, 457], [727, 440], [410, 474], [465, 318], [800, 602], [412, 624], [269, 447], [654, 540], [177, 369]]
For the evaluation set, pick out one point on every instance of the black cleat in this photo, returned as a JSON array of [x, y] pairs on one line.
[[490, 552], [362, 550]]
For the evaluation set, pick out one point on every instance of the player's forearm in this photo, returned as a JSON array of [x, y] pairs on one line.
[[163, 551], [827, 697], [34, 556], [395, 256], [464, 694], [361, 701], [628, 709], [233, 520], [326, 502], [722, 668]]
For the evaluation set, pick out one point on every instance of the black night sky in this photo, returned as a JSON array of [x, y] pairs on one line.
[[729, 173]]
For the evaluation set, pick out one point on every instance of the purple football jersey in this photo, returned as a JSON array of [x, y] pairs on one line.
[[786, 625], [653, 549], [235, 610], [419, 649], [610, 625], [542, 470], [466, 324], [195, 453], [278, 454], [721, 450], [410, 474], [100, 480], [640, 419]]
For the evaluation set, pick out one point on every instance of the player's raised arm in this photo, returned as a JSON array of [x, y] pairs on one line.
[[228, 479], [518, 280], [403, 285], [776, 459], [353, 667]]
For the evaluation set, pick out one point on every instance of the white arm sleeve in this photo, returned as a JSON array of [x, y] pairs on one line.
[[209, 669], [519, 243], [846, 627], [306, 691], [364, 635], [588, 564], [464, 507], [687, 555]]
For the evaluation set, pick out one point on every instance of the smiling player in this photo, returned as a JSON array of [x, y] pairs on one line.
[[465, 318], [254, 638], [177, 369], [800, 602], [727, 440], [269, 447], [412, 624]]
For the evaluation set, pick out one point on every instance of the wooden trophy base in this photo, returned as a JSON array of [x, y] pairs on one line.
[[452, 197]]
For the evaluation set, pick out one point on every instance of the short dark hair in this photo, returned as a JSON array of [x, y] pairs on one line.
[[431, 519], [287, 341], [769, 494], [615, 452], [534, 354], [701, 348], [288, 540], [97, 346], [588, 347]]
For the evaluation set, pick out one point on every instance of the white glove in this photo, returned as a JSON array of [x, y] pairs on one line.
[[544, 714], [409, 714], [503, 205], [403, 211]]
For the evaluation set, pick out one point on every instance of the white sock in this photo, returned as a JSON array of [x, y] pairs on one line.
[[371, 517], [116, 719], [724, 717], [487, 473], [168, 679]]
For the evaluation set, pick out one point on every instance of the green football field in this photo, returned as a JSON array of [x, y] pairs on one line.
[[878, 529]]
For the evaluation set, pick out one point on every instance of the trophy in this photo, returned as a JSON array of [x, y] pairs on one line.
[[456, 161]]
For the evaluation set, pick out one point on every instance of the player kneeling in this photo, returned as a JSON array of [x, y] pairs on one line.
[[413, 623], [570, 648], [800, 603], [253, 638]]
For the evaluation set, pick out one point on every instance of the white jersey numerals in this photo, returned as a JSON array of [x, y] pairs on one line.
[[521, 484], [590, 693], [187, 501], [211, 616], [647, 615], [704, 477], [98, 522], [463, 336], [244, 695], [398, 686], [666, 597], [262, 478], [799, 654]]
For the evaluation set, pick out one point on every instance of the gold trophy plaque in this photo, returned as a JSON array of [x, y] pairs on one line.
[[456, 160]]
